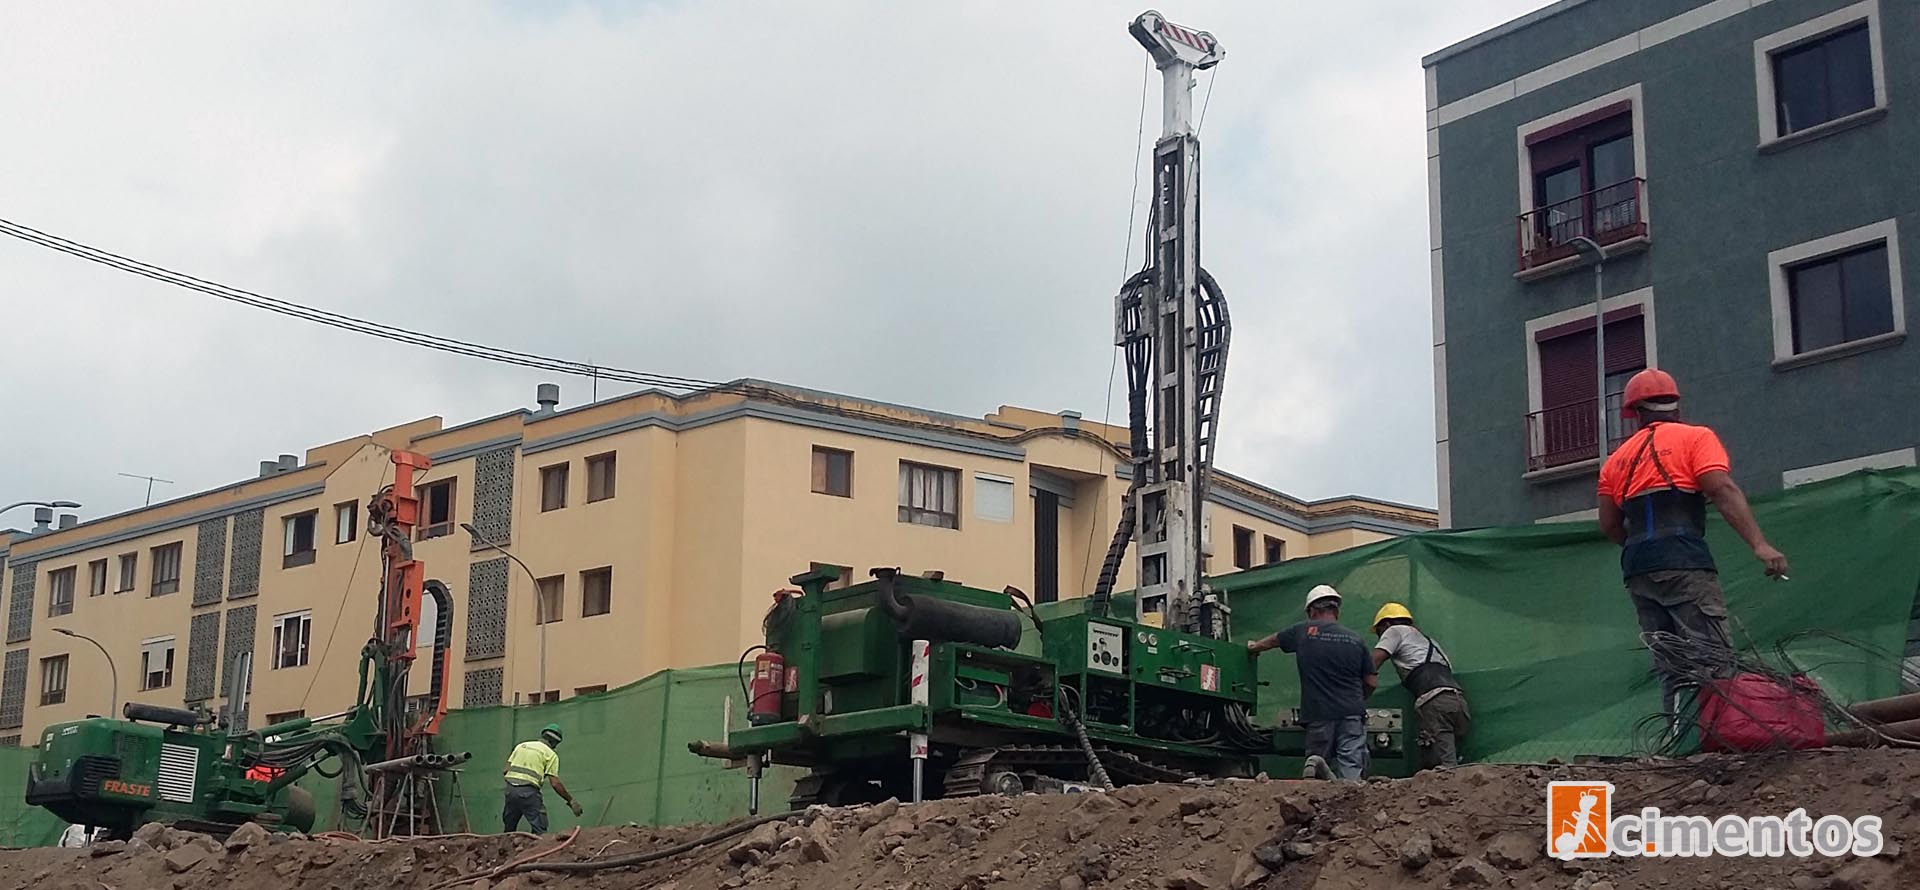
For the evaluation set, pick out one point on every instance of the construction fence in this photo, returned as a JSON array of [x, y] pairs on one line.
[[1535, 618]]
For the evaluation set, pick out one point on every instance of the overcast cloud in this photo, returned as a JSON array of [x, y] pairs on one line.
[[915, 202]]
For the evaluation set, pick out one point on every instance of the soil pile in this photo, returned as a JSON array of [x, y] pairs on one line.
[[1479, 826]]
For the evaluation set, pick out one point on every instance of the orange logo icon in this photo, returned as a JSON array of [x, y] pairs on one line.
[[1578, 814]]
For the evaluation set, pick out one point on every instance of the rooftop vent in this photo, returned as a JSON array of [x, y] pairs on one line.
[[289, 462], [42, 520], [69, 520], [547, 395], [268, 468]]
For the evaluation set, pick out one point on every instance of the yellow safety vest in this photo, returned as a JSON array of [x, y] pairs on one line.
[[531, 763]]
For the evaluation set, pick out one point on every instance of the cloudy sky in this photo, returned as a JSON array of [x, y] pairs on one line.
[[921, 203]]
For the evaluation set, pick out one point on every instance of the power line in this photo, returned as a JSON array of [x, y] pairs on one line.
[[347, 322]]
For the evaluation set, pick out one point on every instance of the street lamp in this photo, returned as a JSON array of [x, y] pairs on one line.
[[57, 505], [539, 602], [113, 702], [1596, 255]]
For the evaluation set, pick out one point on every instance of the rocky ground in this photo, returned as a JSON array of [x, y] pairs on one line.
[[1481, 826]]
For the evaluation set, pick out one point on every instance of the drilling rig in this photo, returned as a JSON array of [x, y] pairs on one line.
[[988, 694], [190, 768]]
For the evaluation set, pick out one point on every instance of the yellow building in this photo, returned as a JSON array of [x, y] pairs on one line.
[[652, 528]]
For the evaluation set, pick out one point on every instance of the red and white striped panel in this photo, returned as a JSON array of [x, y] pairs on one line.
[[1175, 32]]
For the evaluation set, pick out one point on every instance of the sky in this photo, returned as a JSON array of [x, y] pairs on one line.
[[925, 204]]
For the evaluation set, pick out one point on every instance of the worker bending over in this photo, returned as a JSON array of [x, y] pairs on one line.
[[1336, 678], [1427, 673], [530, 764], [1653, 502]]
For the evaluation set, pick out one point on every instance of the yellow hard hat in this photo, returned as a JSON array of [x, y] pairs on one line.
[[1390, 610]]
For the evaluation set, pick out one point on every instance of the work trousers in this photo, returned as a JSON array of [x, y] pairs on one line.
[[1342, 741], [528, 801], [1683, 602], [1444, 721]]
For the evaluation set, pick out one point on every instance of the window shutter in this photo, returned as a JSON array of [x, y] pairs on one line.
[[1626, 344], [1566, 369]]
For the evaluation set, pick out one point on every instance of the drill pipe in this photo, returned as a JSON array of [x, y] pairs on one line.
[[1907, 730], [419, 761], [1888, 710]]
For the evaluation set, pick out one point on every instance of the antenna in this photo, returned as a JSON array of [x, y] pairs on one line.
[[150, 481]]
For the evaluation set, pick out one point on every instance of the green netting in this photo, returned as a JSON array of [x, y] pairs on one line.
[[22, 825], [1543, 636], [625, 756]]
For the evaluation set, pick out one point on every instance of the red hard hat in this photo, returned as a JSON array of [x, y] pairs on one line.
[[1652, 384]]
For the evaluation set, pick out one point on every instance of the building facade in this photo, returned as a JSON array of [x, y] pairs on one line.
[[1746, 166], [649, 532]]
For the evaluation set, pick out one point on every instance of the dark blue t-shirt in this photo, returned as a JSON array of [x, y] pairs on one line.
[[1334, 664]]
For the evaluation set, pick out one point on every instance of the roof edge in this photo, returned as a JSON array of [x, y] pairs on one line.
[[1498, 31]]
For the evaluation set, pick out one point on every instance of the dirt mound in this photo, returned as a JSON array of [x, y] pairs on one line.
[[1480, 826]]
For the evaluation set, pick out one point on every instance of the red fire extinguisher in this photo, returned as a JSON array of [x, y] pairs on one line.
[[769, 682]]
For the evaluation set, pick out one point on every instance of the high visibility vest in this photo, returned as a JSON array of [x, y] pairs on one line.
[[531, 763]]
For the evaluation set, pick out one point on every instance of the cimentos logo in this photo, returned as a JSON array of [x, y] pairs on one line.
[[1581, 825]]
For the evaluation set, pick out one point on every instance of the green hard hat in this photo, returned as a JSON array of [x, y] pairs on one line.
[[552, 729]]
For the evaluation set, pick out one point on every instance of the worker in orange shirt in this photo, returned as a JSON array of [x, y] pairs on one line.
[[1653, 503]]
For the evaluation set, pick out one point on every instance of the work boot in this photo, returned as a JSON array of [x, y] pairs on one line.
[[1316, 768]]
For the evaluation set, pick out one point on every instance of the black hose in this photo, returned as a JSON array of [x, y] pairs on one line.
[[592, 865]]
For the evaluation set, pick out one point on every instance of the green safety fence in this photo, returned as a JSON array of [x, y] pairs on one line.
[[1543, 636], [624, 757], [1535, 618]]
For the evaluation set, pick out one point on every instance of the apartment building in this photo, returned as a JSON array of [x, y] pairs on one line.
[[1746, 167], [607, 541]]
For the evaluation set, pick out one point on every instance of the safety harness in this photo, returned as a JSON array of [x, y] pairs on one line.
[[1430, 677], [1670, 512]]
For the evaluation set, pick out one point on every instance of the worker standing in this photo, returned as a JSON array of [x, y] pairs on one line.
[[1427, 673], [1336, 678], [530, 764], [1653, 498]]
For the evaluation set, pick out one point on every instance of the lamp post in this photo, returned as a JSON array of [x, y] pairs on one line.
[[113, 701], [57, 505], [1596, 255], [539, 602]]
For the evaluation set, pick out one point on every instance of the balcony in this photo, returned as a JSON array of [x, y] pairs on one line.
[[1562, 437], [1611, 215]]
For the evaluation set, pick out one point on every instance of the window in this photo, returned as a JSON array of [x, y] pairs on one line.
[[600, 477], [590, 690], [156, 663], [346, 522], [1581, 177], [1242, 548], [1276, 550], [1823, 80], [166, 569], [552, 602], [543, 698], [297, 539], [53, 680], [596, 592], [60, 591], [1561, 427], [436, 500], [992, 498], [284, 716], [129, 565], [1840, 299], [553, 487], [846, 574], [832, 472], [1838, 294], [929, 495], [97, 578], [291, 634]]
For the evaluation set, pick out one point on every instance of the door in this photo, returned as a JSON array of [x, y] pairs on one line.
[[1046, 546]]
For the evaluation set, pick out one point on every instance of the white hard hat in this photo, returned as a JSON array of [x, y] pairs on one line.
[[1322, 592]]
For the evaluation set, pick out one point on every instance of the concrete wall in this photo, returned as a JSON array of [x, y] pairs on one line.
[[1717, 204]]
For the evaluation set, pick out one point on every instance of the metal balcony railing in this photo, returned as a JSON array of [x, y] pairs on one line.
[[1564, 434], [1609, 214]]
